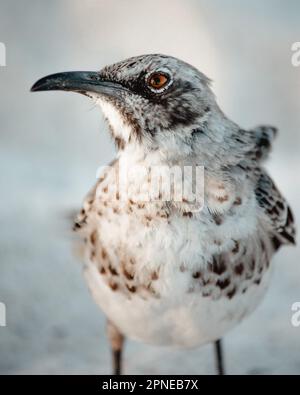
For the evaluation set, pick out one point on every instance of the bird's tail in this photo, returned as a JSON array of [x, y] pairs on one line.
[[263, 136]]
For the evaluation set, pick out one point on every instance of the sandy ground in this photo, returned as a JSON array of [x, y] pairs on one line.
[[51, 145]]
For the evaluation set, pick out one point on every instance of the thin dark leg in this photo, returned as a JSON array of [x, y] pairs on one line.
[[116, 340], [219, 357], [117, 362]]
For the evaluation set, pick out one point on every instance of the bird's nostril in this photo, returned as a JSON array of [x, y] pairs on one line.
[[131, 64]]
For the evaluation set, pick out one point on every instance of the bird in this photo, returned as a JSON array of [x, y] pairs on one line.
[[170, 272]]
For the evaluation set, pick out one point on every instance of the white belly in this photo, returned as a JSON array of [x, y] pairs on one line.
[[176, 318]]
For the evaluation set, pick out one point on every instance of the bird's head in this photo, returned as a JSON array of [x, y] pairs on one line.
[[151, 100]]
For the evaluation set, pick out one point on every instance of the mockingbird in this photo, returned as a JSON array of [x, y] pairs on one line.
[[167, 271]]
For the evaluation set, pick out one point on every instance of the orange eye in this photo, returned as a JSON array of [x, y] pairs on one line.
[[158, 80]]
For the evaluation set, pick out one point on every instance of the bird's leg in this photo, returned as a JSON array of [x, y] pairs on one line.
[[116, 340], [219, 357]]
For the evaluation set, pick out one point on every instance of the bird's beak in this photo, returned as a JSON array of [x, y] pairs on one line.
[[84, 82]]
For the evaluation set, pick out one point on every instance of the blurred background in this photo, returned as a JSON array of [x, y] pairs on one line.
[[51, 145]]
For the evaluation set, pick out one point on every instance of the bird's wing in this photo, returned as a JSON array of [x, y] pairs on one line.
[[263, 138], [276, 210]]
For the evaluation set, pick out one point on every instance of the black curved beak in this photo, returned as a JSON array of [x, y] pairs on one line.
[[84, 82]]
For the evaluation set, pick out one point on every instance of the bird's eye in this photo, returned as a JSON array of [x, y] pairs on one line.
[[157, 81]]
